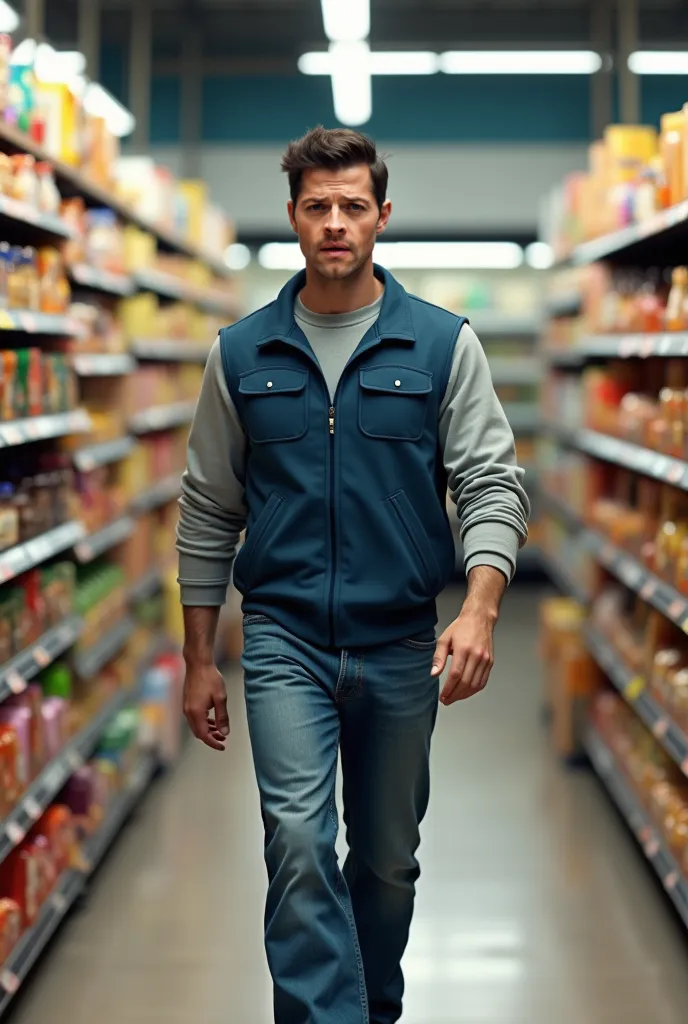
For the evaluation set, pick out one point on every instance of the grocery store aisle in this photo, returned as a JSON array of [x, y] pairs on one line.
[[533, 907]]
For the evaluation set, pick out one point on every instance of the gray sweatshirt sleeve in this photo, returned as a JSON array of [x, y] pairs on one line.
[[212, 509], [480, 459]]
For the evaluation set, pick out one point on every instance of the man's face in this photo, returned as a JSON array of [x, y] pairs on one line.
[[337, 220]]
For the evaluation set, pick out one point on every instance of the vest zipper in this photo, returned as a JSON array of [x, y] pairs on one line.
[[333, 526]]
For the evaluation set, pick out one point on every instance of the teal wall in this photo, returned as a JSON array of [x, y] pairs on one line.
[[436, 108]]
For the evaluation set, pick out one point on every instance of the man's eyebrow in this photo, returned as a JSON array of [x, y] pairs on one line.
[[345, 199]]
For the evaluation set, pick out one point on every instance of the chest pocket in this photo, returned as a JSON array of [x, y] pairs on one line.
[[393, 402], [275, 403]]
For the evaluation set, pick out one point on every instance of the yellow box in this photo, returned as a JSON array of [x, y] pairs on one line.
[[629, 149], [672, 145], [60, 110]]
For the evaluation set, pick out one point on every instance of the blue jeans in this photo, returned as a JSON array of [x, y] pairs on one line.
[[335, 939]]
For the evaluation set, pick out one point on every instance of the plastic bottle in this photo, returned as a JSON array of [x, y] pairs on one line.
[[676, 301]]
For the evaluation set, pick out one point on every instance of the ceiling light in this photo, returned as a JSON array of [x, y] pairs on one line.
[[237, 256], [352, 89], [98, 102], [520, 62], [659, 62], [383, 62], [281, 256], [9, 19], [346, 21], [449, 255], [539, 255]]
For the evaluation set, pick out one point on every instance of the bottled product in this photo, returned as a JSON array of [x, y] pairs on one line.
[[677, 300], [24, 178], [48, 195]]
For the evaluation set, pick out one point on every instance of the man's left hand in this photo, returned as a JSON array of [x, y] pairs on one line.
[[468, 640]]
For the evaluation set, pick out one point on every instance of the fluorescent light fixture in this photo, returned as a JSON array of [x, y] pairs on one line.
[[383, 62], [449, 255], [539, 255], [411, 255], [520, 62], [352, 88], [237, 256], [346, 21], [98, 102], [659, 62], [9, 19], [281, 256]]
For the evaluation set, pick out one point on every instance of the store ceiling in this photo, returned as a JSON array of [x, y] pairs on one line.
[[280, 30]]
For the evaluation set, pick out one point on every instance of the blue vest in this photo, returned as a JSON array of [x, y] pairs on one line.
[[348, 542]]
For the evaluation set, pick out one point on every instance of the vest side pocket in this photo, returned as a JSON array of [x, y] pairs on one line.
[[249, 558], [417, 539]]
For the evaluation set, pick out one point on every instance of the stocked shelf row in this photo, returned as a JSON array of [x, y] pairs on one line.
[[633, 689], [72, 882], [89, 662], [16, 674], [651, 842], [40, 428], [666, 345]]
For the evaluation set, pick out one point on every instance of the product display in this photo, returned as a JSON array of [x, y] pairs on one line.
[[90, 670], [614, 469]]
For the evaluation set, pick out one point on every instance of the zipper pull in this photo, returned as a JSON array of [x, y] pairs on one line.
[[331, 420]]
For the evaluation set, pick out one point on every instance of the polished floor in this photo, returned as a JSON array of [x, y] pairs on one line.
[[534, 906]]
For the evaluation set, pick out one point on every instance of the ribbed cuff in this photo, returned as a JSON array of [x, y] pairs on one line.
[[202, 595], [494, 544]]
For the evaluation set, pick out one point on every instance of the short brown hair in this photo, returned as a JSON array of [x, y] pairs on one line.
[[334, 148]]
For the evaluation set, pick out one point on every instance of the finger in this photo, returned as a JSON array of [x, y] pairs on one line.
[[201, 728], [455, 675], [478, 682], [473, 670], [439, 659], [221, 714]]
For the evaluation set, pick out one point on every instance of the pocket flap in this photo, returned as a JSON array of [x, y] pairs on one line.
[[272, 380], [396, 380]]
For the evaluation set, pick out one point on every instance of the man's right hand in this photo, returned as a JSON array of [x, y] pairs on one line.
[[205, 692]]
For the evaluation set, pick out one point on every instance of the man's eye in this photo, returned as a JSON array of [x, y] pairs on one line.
[[355, 207], [316, 206]]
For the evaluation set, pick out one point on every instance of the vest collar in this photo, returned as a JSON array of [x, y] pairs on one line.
[[394, 321]]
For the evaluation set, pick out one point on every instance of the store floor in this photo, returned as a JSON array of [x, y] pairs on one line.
[[534, 906]]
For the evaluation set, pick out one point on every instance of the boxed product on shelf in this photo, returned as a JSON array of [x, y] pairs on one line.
[[35, 496], [99, 327], [101, 600], [100, 496], [32, 604], [35, 383], [571, 676]]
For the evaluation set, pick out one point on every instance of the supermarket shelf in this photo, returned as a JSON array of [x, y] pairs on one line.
[[25, 213], [73, 182], [162, 417], [522, 416], [28, 321], [159, 494], [515, 371], [566, 304], [170, 351], [632, 689], [488, 323], [642, 827], [146, 587], [571, 357], [665, 233], [551, 503], [632, 456], [25, 556], [561, 577], [15, 675], [662, 596], [45, 788], [169, 286], [95, 544], [621, 346], [39, 428], [561, 432], [102, 454], [72, 882], [104, 364], [102, 280], [89, 662]]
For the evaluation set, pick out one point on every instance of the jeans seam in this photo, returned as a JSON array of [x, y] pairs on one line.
[[341, 679], [346, 904]]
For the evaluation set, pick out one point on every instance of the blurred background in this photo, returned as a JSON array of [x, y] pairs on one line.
[[538, 157]]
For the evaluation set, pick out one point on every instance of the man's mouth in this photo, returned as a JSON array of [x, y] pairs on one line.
[[334, 248]]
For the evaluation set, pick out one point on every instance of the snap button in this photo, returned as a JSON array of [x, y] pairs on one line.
[[269, 384], [397, 383]]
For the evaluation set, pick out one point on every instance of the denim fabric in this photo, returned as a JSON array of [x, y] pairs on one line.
[[335, 939]]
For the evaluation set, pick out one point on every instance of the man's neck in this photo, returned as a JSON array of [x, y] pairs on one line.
[[323, 296]]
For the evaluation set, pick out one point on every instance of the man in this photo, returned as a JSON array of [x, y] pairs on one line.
[[331, 424]]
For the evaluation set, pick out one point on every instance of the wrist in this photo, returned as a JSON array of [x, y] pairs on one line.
[[195, 659], [480, 610]]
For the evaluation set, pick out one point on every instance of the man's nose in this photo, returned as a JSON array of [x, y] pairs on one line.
[[335, 221]]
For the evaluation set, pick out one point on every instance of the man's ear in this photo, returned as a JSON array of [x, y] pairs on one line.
[[291, 209], [383, 219]]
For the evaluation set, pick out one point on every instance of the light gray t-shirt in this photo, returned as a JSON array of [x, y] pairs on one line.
[[334, 337]]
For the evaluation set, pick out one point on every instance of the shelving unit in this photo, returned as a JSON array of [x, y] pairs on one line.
[[69, 541]]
